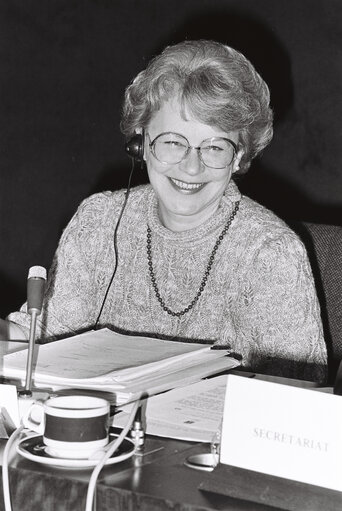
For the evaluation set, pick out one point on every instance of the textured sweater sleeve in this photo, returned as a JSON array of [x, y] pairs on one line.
[[70, 303], [278, 316]]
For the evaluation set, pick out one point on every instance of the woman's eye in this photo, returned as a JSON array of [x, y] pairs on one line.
[[213, 148], [173, 143]]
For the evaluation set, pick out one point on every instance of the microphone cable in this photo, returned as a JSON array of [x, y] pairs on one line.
[[116, 252], [110, 450], [5, 462]]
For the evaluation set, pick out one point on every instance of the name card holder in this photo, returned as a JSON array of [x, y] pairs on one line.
[[280, 446]]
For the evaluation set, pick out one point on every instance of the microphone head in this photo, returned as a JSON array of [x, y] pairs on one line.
[[37, 272], [35, 289]]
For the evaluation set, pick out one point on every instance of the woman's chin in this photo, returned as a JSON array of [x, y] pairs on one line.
[[184, 216]]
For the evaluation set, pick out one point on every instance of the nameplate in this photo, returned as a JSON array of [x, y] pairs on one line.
[[283, 431]]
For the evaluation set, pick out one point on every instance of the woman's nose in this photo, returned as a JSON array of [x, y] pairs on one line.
[[192, 164]]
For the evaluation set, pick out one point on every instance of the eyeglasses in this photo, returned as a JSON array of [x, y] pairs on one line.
[[172, 148]]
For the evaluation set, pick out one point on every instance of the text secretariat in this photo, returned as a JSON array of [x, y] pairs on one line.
[[290, 439]]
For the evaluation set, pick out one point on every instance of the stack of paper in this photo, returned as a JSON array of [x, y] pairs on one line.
[[127, 367]]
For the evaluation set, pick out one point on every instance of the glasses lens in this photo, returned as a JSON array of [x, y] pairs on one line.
[[170, 147], [217, 152]]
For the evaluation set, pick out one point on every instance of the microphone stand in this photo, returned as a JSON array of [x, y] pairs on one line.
[[27, 392]]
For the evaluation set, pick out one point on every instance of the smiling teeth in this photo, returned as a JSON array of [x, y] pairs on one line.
[[187, 186]]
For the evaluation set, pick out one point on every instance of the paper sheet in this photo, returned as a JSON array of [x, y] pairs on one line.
[[190, 413]]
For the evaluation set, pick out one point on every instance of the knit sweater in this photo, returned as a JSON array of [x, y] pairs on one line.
[[259, 298]]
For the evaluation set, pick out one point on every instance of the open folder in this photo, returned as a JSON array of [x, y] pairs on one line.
[[127, 367]]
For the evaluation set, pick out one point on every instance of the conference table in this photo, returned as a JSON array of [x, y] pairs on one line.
[[157, 479]]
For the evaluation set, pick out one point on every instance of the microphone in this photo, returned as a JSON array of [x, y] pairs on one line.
[[35, 294], [35, 289]]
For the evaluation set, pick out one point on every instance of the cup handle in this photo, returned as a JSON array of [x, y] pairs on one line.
[[34, 418]]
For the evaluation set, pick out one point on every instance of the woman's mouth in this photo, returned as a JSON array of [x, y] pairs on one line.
[[187, 188]]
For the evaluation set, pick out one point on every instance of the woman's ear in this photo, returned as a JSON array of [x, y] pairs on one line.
[[145, 143], [141, 131], [237, 159]]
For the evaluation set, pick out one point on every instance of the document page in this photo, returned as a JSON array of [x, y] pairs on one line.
[[190, 413]]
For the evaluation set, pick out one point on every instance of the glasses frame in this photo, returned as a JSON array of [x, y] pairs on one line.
[[198, 148]]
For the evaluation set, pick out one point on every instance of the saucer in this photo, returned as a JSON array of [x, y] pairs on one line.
[[34, 449]]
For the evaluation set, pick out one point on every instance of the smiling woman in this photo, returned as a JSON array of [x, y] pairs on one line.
[[189, 191], [193, 258]]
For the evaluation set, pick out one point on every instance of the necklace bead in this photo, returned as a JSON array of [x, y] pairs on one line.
[[206, 273]]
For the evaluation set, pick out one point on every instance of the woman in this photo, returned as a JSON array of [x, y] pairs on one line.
[[193, 258]]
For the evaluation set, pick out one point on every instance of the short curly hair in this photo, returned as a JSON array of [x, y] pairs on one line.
[[215, 83]]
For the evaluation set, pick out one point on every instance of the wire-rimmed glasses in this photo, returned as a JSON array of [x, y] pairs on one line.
[[171, 148]]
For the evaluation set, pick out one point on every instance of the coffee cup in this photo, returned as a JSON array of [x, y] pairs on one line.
[[72, 426]]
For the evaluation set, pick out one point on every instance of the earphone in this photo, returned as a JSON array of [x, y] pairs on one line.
[[134, 147]]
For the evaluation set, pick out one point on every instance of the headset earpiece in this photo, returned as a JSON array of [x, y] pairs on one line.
[[135, 147]]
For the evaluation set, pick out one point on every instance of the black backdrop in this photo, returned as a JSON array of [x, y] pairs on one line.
[[64, 65]]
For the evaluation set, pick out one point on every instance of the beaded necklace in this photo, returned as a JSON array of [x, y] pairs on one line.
[[206, 273]]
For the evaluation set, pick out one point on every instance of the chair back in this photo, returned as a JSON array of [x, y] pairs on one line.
[[324, 246]]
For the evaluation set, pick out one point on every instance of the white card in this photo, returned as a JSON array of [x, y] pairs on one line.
[[284, 431], [9, 403]]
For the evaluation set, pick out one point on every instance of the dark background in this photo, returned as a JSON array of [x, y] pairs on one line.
[[64, 66]]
